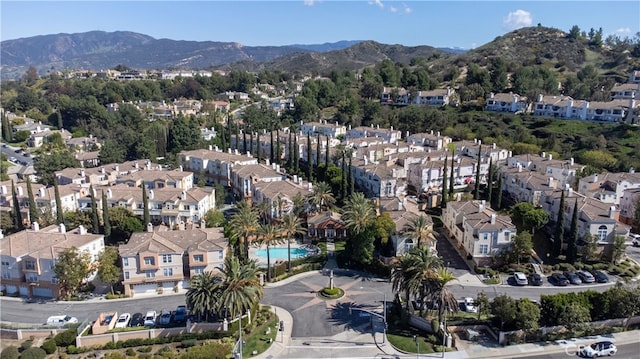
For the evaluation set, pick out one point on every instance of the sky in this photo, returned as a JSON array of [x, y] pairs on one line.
[[452, 23]]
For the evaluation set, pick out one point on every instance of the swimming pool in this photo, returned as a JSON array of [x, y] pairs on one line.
[[281, 253]]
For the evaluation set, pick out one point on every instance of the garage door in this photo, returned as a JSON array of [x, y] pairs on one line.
[[43, 292], [168, 286], [12, 289], [24, 291], [184, 284], [145, 288]]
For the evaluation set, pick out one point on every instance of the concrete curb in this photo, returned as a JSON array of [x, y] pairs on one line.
[[278, 346]]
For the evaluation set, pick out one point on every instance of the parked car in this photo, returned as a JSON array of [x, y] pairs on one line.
[[165, 317], [585, 276], [61, 320], [469, 305], [180, 315], [559, 279], [600, 276], [123, 320], [599, 349], [535, 279], [150, 318], [572, 277], [635, 239], [137, 320], [520, 278]]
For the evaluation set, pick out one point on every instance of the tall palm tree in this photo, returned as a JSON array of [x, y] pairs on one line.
[[441, 294], [202, 294], [238, 288], [263, 210], [268, 234], [419, 229], [291, 226], [322, 198], [414, 271], [244, 223], [358, 213]]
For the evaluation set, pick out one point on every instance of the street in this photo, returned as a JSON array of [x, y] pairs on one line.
[[9, 152]]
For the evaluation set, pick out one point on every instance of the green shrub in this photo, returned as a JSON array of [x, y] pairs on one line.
[[10, 352], [130, 352], [66, 338], [26, 345], [145, 349], [33, 353], [566, 267], [187, 343], [331, 291], [49, 346], [114, 355]]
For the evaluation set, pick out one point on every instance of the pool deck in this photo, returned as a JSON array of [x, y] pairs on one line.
[[263, 260]]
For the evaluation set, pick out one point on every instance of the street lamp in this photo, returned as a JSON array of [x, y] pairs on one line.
[[384, 312], [415, 340]]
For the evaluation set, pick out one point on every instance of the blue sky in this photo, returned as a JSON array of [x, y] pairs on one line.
[[452, 23]]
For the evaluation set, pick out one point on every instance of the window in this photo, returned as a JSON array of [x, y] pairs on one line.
[[484, 249], [6, 275], [30, 265], [32, 277], [54, 280], [602, 233], [149, 261], [186, 207], [485, 236], [126, 275], [5, 263], [150, 274], [198, 258], [198, 270], [125, 262], [167, 258], [220, 254], [168, 272]]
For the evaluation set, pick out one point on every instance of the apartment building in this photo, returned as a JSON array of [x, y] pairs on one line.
[[215, 165], [609, 187]]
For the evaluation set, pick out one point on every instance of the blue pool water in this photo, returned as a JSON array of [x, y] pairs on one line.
[[281, 253]]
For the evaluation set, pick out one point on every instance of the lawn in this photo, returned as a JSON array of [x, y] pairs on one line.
[[401, 337], [259, 340]]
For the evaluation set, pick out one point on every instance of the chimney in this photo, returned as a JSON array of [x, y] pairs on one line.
[[102, 170], [295, 178], [493, 218], [550, 157], [399, 206], [570, 193], [19, 191], [229, 150], [135, 165], [41, 191], [117, 168], [595, 178], [3, 189], [35, 226], [82, 172], [366, 160], [571, 162], [550, 183], [82, 230], [277, 168], [109, 193], [458, 196], [544, 155], [493, 146], [612, 212], [1, 234], [310, 186], [519, 167], [480, 207], [632, 170], [248, 154], [150, 194], [273, 166], [180, 168], [203, 224], [183, 195], [62, 228], [149, 227], [267, 162], [181, 226]]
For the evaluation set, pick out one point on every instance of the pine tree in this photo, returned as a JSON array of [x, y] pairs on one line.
[[146, 218], [59, 210], [499, 189], [343, 182], [559, 235], [490, 183], [445, 194], [258, 148], [59, 120], [309, 159], [290, 154], [18, 224], [251, 148], [33, 210], [244, 141], [351, 179], [237, 147], [296, 154], [7, 133], [318, 175], [94, 211], [272, 154], [326, 156], [476, 191], [278, 148], [452, 176], [105, 216], [572, 245]]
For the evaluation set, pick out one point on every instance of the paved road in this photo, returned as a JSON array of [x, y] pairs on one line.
[[625, 351], [10, 152]]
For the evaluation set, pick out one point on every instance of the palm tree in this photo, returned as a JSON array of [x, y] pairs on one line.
[[238, 288], [414, 270], [322, 198], [358, 213], [419, 229], [268, 233], [441, 294], [202, 294], [292, 226], [244, 223]]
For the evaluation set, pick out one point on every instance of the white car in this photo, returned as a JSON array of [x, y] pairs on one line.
[[635, 239], [469, 305], [599, 349], [123, 320], [61, 320], [150, 318]]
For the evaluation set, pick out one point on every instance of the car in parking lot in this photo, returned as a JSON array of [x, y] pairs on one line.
[[469, 305], [600, 276], [635, 239], [165, 317], [123, 320], [61, 320], [535, 279], [150, 318], [599, 349], [572, 277], [520, 278], [585, 276], [559, 280], [137, 320], [180, 315]]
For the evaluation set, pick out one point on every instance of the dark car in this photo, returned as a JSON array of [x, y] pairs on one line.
[[559, 279], [180, 315], [600, 276], [572, 277], [585, 276], [535, 279], [165, 317], [137, 320]]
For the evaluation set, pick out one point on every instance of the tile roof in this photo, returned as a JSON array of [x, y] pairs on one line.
[[180, 241]]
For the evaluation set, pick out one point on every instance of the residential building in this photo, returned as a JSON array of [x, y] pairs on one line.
[[388, 135], [629, 206], [157, 179], [323, 128], [214, 165], [326, 225], [507, 102], [395, 96], [625, 91], [562, 170], [245, 177], [430, 140], [480, 231], [524, 185], [280, 196], [378, 179], [28, 258], [36, 140], [608, 187], [165, 261], [437, 97]]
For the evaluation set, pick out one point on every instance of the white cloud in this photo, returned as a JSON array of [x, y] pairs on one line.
[[309, 2], [623, 30], [393, 8], [377, 3], [407, 9], [517, 19]]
